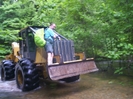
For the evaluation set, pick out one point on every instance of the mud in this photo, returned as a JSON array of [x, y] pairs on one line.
[[97, 85]]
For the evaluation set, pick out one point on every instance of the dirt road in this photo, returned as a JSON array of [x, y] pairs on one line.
[[91, 86]]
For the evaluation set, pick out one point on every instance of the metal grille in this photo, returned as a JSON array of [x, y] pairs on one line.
[[65, 49]]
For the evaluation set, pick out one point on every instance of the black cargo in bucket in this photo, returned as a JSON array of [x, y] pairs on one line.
[[64, 49]]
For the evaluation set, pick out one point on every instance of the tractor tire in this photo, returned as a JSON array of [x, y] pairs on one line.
[[71, 79], [27, 77], [7, 70]]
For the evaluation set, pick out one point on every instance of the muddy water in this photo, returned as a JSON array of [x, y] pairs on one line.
[[97, 85]]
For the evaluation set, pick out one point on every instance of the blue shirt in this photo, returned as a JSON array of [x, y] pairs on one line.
[[49, 34]]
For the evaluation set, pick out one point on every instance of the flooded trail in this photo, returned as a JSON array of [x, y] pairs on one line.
[[97, 85]]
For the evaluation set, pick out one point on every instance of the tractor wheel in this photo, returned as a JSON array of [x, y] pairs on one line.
[[7, 70], [71, 79], [27, 77]]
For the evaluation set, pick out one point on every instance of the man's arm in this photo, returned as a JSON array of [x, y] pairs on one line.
[[53, 34]]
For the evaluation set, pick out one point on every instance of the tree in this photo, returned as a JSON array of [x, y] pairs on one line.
[[13, 17]]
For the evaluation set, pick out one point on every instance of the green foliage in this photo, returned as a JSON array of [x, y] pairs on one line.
[[12, 19], [119, 70]]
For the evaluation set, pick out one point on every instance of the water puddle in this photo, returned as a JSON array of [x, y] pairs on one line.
[[97, 85]]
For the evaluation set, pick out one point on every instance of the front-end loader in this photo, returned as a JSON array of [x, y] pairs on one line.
[[28, 63]]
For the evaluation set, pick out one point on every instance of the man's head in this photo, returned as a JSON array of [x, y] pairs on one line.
[[52, 26]]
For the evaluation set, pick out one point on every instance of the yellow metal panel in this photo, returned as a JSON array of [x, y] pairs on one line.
[[57, 57], [14, 55], [15, 48], [81, 55], [40, 56]]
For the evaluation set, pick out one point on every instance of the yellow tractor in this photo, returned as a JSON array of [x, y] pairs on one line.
[[28, 63]]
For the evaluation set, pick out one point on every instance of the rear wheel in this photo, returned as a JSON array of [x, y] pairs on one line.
[[7, 70], [27, 77], [71, 79], [2, 73]]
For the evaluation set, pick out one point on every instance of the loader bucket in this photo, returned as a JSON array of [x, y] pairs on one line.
[[71, 68]]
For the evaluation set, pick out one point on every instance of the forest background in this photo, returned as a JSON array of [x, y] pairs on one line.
[[100, 28]]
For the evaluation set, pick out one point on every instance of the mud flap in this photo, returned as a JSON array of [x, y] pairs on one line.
[[71, 68]]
